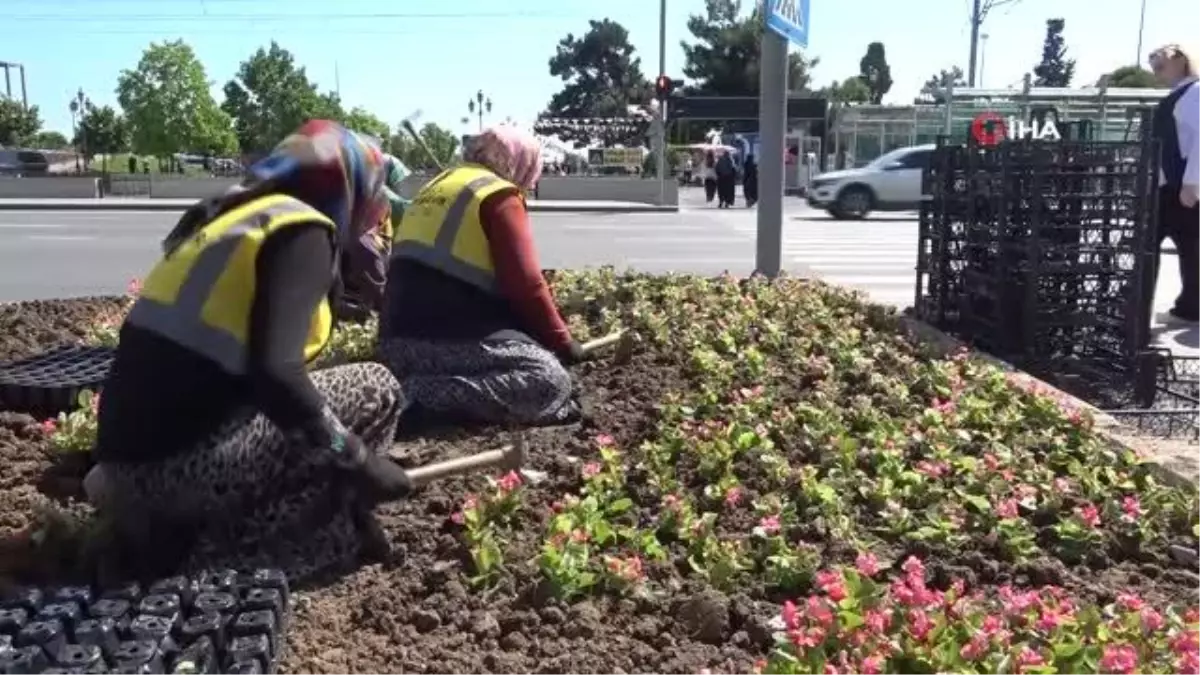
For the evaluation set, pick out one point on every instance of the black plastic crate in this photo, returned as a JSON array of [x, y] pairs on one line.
[[49, 383], [214, 622]]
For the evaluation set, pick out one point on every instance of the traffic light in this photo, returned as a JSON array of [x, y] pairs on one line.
[[663, 86]]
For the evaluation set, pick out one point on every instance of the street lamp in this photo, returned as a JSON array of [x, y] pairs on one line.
[[479, 105], [983, 38]]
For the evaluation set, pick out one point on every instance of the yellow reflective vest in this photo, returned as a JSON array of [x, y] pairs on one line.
[[200, 295], [442, 229]]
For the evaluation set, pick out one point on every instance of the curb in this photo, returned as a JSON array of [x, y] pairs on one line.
[[163, 207], [1172, 462]]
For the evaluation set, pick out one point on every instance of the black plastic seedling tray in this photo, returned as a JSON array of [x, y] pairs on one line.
[[215, 622], [49, 383]]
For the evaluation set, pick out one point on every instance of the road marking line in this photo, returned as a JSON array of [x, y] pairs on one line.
[[32, 226], [626, 227], [689, 261], [869, 280], [660, 239], [58, 237]]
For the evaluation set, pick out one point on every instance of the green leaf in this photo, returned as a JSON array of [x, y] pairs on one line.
[[619, 506], [980, 504]]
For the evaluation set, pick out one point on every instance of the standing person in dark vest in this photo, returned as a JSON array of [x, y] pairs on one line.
[[1178, 131]]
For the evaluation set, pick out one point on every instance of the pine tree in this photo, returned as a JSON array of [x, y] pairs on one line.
[[1055, 70]]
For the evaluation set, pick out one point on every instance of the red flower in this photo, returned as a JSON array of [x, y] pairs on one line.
[[733, 496], [1007, 509], [867, 564], [832, 584], [605, 441], [49, 427], [790, 615], [1132, 508], [135, 287], [1089, 514], [1118, 659], [509, 481], [591, 469], [770, 525]]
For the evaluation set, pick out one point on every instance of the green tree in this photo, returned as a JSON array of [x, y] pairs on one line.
[[1131, 77], [875, 72], [1055, 69], [443, 143], [724, 58], [168, 105], [364, 122], [50, 140], [18, 124], [934, 89], [602, 78], [851, 90], [270, 97], [101, 131]]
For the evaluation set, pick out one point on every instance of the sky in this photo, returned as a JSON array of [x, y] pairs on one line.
[[394, 57]]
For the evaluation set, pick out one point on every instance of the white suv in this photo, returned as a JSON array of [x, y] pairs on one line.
[[890, 183]]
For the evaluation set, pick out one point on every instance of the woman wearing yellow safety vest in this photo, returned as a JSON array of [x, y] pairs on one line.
[[469, 325], [212, 434]]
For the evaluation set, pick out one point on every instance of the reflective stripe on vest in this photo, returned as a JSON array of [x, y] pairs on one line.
[[440, 256], [182, 321]]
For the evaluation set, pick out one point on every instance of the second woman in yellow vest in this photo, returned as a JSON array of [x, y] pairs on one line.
[[216, 446], [469, 324]]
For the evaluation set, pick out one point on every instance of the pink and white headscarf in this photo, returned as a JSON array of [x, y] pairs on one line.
[[514, 155]]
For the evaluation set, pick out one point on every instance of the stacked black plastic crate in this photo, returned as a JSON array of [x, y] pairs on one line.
[[215, 622], [1041, 252]]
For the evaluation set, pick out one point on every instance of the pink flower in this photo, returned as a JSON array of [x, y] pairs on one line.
[[914, 569], [933, 469], [790, 615], [1050, 619], [919, 624], [591, 469], [458, 518], [605, 441], [1188, 663], [1007, 509], [867, 564], [1029, 657], [135, 287], [832, 584], [976, 648], [1186, 642], [49, 427], [1132, 508], [509, 481], [817, 609], [1089, 514], [872, 665], [470, 503], [992, 625], [877, 621], [733, 496], [1130, 602], [1151, 619], [770, 524], [944, 407], [1118, 659], [1062, 486], [991, 461]]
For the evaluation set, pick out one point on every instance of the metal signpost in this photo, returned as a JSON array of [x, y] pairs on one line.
[[787, 21]]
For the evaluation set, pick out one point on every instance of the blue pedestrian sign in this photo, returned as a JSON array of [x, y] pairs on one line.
[[789, 18]]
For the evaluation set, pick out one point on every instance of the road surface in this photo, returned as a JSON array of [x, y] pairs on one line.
[[48, 254]]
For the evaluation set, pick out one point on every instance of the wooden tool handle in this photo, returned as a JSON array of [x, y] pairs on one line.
[[504, 458], [601, 343], [412, 131]]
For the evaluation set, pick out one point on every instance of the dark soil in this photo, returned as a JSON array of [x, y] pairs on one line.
[[37, 326], [417, 611]]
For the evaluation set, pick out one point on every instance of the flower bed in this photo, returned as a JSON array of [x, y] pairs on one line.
[[776, 480]]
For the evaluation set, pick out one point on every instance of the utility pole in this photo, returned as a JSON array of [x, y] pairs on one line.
[[979, 12], [1141, 29], [8, 81], [661, 151]]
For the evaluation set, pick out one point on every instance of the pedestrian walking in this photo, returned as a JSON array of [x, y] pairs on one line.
[[750, 180], [726, 172], [1178, 132], [709, 174]]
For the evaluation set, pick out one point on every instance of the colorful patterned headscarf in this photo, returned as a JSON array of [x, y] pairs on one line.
[[514, 155], [324, 165]]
